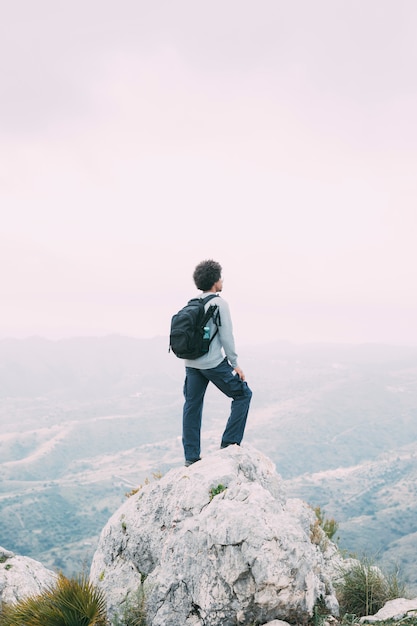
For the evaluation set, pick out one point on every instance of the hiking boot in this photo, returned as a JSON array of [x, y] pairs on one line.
[[188, 463]]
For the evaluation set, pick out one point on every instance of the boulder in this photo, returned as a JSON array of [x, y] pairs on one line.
[[217, 543], [21, 577], [393, 610]]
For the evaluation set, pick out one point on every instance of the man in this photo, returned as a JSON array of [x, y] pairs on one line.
[[218, 366]]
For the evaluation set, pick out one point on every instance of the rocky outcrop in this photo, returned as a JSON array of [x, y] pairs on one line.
[[21, 576], [216, 544]]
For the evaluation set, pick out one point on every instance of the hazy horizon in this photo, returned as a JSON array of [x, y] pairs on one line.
[[279, 139]]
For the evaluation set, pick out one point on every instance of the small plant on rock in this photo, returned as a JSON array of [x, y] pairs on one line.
[[155, 476], [329, 526], [214, 491], [133, 612], [320, 612]]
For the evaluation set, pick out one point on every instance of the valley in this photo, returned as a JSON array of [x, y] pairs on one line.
[[84, 421]]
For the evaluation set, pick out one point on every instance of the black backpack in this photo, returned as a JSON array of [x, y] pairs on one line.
[[187, 338]]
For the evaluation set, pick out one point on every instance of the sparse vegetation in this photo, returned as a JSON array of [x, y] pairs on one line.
[[316, 534], [320, 613], [70, 602], [364, 588], [214, 491], [155, 476], [133, 612], [329, 526]]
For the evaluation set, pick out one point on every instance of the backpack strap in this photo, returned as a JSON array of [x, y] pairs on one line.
[[210, 313]]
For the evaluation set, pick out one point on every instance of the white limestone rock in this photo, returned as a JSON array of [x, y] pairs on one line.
[[21, 577], [395, 610], [242, 555]]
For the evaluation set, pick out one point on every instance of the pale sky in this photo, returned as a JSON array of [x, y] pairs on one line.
[[278, 137]]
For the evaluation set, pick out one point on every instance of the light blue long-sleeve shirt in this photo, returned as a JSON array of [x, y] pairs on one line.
[[223, 343]]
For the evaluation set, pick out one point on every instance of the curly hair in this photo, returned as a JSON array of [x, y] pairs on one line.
[[206, 274]]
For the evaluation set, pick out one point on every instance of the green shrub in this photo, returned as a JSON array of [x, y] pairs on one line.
[[364, 589], [214, 491], [72, 602], [329, 526]]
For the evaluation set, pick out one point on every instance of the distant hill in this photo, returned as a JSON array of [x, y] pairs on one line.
[[83, 420], [81, 367]]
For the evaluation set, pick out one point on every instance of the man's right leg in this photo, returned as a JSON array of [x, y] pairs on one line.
[[225, 379], [195, 386]]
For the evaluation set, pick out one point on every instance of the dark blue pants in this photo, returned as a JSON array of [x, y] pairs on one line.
[[195, 386]]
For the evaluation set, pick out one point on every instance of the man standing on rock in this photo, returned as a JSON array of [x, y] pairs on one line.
[[218, 366]]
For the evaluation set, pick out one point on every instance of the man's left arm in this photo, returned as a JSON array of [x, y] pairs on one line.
[[227, 338]]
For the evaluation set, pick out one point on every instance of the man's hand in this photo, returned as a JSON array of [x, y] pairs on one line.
[[240, 373]]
